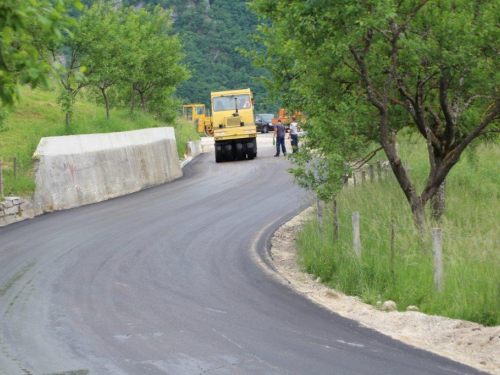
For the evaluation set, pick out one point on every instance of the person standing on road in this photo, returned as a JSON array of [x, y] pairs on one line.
[[294, 136], [279, 134]]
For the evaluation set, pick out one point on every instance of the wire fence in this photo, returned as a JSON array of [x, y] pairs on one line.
[[393, 248], [453, 257]]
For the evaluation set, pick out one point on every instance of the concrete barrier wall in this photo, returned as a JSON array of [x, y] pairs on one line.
[[75, 170], [193, 148]]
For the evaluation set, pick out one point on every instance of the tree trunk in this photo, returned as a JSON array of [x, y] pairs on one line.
[[68, 121], [106, 102], [132, 101], [143, 102], [438, 202], [418, 210], [416, 204], [319, 206]]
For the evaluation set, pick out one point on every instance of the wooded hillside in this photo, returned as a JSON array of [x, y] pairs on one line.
[[211, 32]]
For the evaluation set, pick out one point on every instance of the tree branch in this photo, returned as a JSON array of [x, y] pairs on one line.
[[367, 158]]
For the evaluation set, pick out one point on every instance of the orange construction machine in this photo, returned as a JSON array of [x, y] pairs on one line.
[[285, 118]]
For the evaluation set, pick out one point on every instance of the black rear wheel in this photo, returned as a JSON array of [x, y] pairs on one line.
[[265, 129], [240, 155], [218, 154]]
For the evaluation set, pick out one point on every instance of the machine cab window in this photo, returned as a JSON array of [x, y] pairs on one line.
[[188, 113], [228, 103]]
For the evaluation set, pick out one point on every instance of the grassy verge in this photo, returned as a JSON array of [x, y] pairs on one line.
[[40, 116], [471, 244]]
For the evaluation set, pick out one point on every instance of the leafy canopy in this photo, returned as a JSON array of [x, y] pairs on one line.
[[27, 27], [363, 71]]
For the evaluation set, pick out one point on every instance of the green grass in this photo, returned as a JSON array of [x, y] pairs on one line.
[[40, 116], [471, 244]]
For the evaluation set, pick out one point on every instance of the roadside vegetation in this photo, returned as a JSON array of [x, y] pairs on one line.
[[367, 74], [39, 115], [471, 242], [103, 67]]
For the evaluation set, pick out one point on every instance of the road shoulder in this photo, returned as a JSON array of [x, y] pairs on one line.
[[462, 341]]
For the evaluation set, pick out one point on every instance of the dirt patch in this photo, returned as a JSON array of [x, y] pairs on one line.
[[459, 340]]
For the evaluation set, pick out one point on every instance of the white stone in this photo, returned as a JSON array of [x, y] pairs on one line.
[[389, 306], [12, 211], [7, 203], [10, 219], [412, 308], [12, 199]]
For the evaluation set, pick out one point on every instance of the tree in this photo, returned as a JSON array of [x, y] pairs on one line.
[[26, 28], [373, 68], [76, 58], [111, 54], [159, 67]]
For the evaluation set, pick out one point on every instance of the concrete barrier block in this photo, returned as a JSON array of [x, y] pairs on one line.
[[77, 170], [194, 148]]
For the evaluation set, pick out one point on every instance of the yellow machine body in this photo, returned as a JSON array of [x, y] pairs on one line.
[[225, 104], [233, 121], [196, 113]]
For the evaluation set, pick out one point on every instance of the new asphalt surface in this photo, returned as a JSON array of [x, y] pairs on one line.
[[173, 280]]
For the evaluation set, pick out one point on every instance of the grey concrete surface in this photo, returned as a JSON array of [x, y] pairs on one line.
[[164, 281], [193, 148], [81, 169]]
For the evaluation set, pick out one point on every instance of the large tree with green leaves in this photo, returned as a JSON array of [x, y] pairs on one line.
[[111, 52], [27, 27], [127, 48], [158, 69], [365, 70]]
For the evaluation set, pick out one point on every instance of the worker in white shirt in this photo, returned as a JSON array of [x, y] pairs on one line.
[[294, 136]]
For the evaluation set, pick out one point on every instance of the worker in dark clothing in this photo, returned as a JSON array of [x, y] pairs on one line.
[[279, 134]]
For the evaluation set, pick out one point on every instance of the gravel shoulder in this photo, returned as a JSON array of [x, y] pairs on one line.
[[466, 342]]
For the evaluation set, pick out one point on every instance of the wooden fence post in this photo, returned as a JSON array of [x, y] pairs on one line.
[[363, 177], [15, 168], [379, 169], [372, 173], [319, 205], [335, 221], [1, 179], [354, 178], [393, 252], [356, 237], [437, 250]]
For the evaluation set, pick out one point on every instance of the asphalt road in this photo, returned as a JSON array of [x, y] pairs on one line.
[[168, 281]]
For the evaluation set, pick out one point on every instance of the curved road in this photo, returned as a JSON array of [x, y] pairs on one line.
[[167, 281]]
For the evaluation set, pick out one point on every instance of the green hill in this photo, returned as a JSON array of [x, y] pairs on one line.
[[40, 116], [211, 33]]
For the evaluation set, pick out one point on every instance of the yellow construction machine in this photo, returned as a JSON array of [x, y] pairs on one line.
[[233, 121], [197, 114]]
